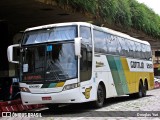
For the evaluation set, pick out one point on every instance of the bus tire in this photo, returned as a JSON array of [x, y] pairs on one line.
[[100, 97], [140, 91], [144, 92]]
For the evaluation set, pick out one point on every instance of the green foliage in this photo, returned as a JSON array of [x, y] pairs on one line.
[[145, 19], [80, 5], [128, 13]]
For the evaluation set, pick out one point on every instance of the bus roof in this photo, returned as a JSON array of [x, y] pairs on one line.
[[57, 24], [88, 24]]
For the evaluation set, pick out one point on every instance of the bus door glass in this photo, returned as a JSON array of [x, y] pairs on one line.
[[86, 52]]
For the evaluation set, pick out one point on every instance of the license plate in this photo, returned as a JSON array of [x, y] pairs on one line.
[[47, 98]]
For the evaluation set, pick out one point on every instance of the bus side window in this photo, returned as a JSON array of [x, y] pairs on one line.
[[138, 50], [148, 53], [100, 41], [85, 33], [144, 56], [112, 44], [133, 47], [119, 47], [124, 46]]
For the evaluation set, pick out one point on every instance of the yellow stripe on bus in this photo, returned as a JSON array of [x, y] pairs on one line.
[[133, 78], [60, 84]]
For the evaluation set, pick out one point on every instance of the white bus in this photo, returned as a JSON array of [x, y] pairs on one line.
[[79, 62]]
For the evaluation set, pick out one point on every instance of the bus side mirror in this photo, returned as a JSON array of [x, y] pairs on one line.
[[10, 53], [77, 42]]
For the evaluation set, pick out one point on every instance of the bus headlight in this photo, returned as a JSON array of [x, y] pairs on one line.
[[71, 86], [23, 89]]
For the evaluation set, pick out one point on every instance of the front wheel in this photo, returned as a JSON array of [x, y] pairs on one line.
[[100, 97]]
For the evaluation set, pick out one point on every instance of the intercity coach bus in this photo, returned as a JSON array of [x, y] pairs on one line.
[[79, 62]]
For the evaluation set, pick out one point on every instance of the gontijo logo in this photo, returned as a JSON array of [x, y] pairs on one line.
[[135, 64], [139, 65]]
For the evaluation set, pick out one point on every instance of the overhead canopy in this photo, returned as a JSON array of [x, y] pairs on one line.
[[22, 14]]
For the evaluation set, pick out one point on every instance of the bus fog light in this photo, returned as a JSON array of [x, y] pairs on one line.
[[71, 86]]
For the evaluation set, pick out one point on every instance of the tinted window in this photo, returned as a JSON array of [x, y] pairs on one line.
[[61, 62], [148, 52], [50, 62], [144, 55], [124, 46], [52, 34], [85, 33], [33, 63], [112, 44], [138, 50], [100, 41], [132, 48]]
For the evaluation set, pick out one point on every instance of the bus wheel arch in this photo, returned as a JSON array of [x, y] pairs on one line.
[[101, 95]]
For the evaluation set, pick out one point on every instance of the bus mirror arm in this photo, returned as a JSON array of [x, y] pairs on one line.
[[77, 43], [10, 53]]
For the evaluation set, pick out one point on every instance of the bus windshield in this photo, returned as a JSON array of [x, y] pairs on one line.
[[49, 62], [63, 33]]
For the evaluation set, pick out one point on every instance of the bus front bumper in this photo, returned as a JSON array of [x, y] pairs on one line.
[[68, 96]]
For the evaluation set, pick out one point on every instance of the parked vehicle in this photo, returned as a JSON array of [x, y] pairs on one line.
[[156, 80]]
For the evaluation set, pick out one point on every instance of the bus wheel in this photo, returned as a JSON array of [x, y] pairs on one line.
[[140, 92], [144, 92], [100, 97]]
